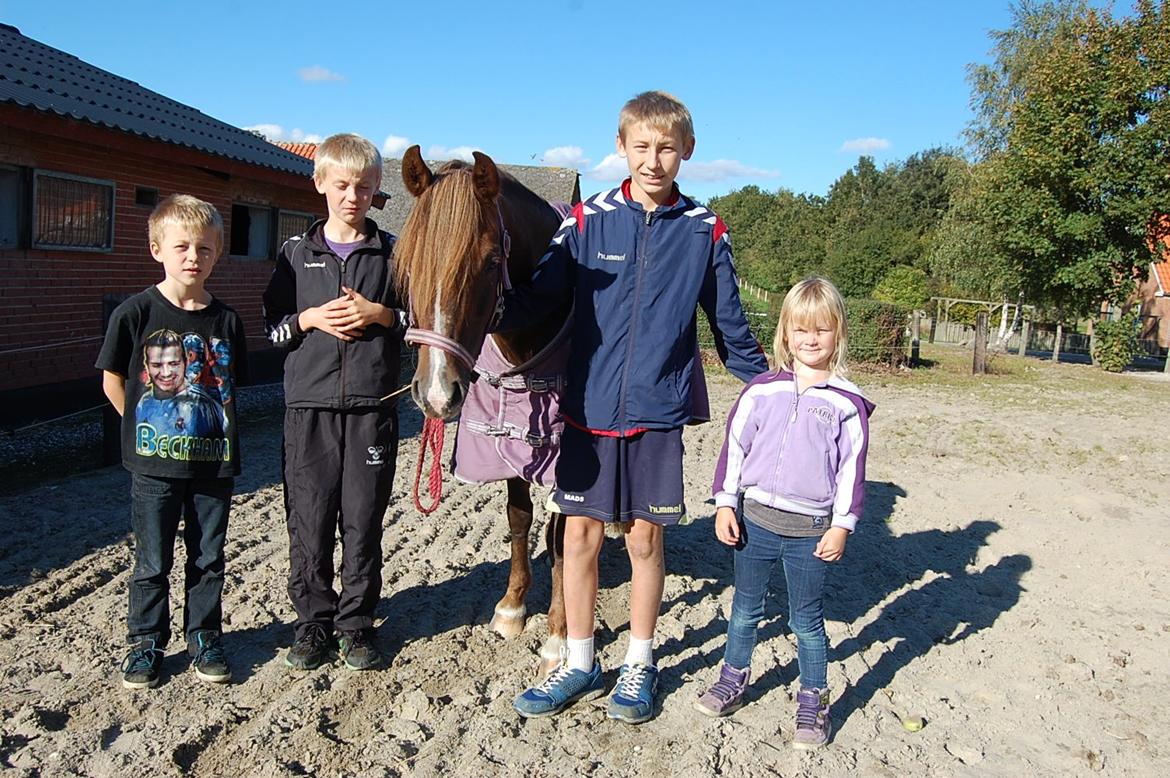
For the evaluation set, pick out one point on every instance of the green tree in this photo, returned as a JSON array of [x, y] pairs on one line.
[[879, 219], [860, 242], [964, 257], [791, 245], [1078, 168], [746, 211]]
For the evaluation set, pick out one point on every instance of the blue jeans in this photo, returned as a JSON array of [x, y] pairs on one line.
[[156, 505], [757, 554]]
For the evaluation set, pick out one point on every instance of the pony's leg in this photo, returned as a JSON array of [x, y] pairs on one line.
[[508, 619], [554, 647]]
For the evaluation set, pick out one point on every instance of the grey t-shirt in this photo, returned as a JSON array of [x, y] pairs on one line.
[[793, 525]]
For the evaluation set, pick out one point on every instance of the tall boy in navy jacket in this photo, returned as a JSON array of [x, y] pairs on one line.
[[639, 259]]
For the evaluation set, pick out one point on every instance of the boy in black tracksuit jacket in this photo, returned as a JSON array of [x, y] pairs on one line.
[[331, 303]]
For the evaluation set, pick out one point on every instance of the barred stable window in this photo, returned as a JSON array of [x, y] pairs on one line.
[[72, 212], [292, 223]]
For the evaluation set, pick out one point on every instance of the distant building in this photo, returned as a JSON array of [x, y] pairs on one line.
[[1154, 296], [84, 157], [555, 184]]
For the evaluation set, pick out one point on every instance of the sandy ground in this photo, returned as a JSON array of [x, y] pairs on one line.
[[1009, 585]]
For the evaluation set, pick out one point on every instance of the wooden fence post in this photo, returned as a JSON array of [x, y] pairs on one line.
[[979, 366], [1025, 332], [915, 337], [1056, 342]]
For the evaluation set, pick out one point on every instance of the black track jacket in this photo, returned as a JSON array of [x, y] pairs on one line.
[[321, 371]]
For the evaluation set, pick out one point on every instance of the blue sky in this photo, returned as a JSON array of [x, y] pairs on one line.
[[784, 94]]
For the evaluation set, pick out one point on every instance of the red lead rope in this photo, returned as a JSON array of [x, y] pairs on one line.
[[432, 437]]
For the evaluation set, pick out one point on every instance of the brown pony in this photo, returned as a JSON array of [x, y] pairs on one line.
[[466, 221]]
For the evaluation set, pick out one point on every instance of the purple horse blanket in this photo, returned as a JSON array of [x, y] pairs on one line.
[[511, 421]]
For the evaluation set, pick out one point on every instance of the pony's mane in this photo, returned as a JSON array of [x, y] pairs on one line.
[[447, 221]]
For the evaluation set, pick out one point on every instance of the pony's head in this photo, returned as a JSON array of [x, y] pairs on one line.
[[448, 265]]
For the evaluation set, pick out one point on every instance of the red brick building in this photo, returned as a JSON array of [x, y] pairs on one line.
[[1154, 299], [84, 156]]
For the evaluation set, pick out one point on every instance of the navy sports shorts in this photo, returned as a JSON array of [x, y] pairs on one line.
[[619, 479]]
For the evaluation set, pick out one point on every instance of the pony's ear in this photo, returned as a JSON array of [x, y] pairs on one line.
[[415, 173], [486, 177]]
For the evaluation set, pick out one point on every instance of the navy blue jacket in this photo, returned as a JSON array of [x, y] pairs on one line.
[[637, 277]]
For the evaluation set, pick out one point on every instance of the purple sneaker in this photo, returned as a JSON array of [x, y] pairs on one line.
[[726, 695], [813, 725]]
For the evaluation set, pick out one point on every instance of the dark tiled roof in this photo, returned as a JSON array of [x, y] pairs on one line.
[[555, 184], [33, 75]]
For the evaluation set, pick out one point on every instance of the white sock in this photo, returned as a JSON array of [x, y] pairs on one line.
[[640, 652], [580, 654]]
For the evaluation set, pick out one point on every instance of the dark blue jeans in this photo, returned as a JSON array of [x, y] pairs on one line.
[[156, 506], [805, 575]]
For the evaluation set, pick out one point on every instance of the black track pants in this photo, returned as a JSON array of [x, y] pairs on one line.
[[338, 473]]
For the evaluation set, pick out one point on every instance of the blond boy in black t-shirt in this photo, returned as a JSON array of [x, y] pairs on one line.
[[171, 360]]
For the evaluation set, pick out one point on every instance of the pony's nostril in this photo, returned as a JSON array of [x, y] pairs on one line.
[[456, 395]]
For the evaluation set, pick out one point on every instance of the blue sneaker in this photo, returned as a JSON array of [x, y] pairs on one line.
[[632, 700], [562, 688]]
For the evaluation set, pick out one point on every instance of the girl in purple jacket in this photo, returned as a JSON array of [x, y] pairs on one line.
[[793, 463]]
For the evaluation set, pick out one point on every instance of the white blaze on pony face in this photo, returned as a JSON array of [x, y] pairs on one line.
[[438, 395]]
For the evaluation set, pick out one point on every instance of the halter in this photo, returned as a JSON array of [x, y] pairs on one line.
[[454, 348], [432, 432]]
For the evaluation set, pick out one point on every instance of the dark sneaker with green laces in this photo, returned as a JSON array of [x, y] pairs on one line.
[[142, 666], [207, 657], [562, 688], [313, 648], [632, 698], [358, 649]]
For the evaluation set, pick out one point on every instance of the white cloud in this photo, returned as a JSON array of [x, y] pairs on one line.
[[864, 145], [612, 168], [566, 156], [395, 145], [316, 73], [442, 153], [276, 132], [721, 170]]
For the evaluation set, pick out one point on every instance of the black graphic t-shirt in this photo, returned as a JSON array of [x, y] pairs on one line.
[[181, 369]]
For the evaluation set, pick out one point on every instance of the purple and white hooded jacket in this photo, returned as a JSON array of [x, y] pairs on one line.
[[803, 453]]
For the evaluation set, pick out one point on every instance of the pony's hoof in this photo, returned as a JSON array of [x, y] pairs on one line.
[[508, 622], [552, 653]]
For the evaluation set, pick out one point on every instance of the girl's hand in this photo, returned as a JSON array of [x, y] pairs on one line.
[[832, 545], [727, 526]]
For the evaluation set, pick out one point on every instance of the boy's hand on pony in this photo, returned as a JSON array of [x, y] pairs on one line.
[[727, 526], [832, 545]]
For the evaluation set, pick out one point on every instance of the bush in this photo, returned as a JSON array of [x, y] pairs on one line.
[[1115, 343], [876, 331], [965, 313], [905, 286]]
